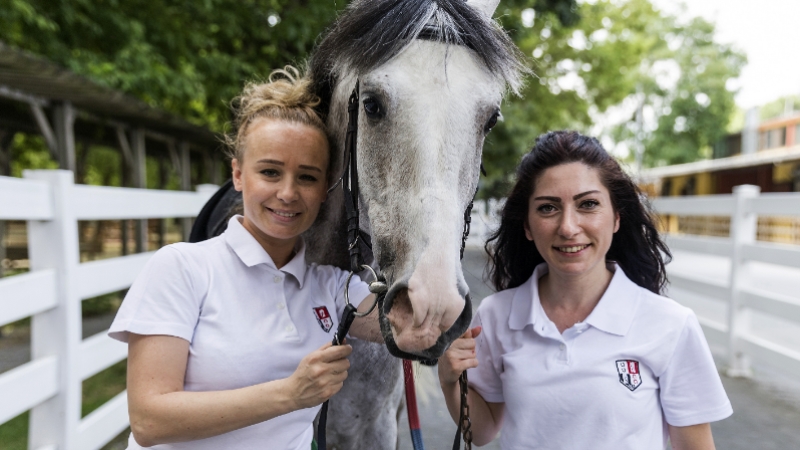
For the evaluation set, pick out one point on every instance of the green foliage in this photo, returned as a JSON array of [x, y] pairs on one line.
[[103, 386], [695, 114], [104, 304], [103, 166], [187, 57], [30, 152], [192, 58], [14, 433], [616, 53], [580, 71]]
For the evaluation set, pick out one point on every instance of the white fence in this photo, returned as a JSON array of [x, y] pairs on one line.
[[742, 291], [736, 288], [51, 294]]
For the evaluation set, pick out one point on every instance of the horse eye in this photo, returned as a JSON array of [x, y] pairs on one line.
[[373, 108], [492, 122]]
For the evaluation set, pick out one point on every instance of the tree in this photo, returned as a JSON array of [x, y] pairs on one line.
[[188, 57], [612, 59], [192, 58], [692, 114]]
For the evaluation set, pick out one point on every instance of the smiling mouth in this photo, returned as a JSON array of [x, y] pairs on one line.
[[572, 249], [284, 214]]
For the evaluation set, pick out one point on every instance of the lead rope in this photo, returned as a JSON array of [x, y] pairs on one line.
[[377, 287], [464, 422]]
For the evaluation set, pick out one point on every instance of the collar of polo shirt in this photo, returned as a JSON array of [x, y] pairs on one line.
[[252, 253], [613, 314]]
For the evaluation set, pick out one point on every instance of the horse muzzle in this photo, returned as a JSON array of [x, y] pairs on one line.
[[425, 341]]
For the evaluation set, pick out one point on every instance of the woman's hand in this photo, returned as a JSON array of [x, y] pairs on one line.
[[487, 418], [320, 375], [459, 357]]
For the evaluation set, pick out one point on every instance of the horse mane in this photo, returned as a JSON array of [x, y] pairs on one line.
[[371, 32]]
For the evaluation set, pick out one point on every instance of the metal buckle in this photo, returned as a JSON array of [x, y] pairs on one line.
[[377, 287]]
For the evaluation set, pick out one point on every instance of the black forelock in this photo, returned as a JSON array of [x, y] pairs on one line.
[[371, 32]]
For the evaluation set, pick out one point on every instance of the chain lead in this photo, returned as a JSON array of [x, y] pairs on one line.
[[465, 422]]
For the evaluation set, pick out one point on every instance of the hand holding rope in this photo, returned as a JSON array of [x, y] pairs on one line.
[[377, 287]]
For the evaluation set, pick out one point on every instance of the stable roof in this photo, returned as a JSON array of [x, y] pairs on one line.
[[771, 156], [29, 78]]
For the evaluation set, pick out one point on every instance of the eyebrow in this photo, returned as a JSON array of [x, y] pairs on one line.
[[574, 197], [280, 163]]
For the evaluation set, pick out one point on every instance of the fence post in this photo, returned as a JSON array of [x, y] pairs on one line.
[[53, 244], [744, 226]]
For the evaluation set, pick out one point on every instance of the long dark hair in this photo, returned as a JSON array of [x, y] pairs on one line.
[[636, 247]]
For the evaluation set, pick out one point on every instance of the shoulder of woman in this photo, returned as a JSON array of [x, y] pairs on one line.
[[666, 309], [191, 259], [498, 304]]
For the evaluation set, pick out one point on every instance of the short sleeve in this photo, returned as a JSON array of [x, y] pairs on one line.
[[357, 290], [163, 300], [485, 378], [691, 389]]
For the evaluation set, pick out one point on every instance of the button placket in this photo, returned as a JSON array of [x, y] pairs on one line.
[[288, 324]]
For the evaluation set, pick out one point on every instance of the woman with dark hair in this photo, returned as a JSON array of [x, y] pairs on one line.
[[578, 349]]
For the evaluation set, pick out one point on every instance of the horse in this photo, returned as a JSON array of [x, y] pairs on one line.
[[428, 77]]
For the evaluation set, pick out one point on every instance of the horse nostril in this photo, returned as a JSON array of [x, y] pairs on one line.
[[400, 304]]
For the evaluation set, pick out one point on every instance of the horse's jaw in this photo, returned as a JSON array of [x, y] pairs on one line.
[[418, 170]]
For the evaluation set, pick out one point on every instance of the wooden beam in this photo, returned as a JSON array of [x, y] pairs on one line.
[[163, 178], [186, 183], [216, 170], [140, 181], [174, 158], [6, 137], [65, 135], [125, 146], [14, 94], [45, 129]]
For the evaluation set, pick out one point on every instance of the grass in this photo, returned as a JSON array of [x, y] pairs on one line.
[[14, 433], [103, 386], [97, 390]]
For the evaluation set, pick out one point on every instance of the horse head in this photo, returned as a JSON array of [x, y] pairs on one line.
[[431, 75]]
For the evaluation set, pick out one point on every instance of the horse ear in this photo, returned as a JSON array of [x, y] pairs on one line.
[[487, 7]]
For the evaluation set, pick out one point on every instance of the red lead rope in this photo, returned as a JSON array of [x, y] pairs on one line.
[[411, 405]]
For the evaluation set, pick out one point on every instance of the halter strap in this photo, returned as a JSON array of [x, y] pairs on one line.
[[350, 182]]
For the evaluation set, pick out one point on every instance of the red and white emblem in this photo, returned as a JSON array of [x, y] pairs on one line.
[[323, 317], [629, 374]]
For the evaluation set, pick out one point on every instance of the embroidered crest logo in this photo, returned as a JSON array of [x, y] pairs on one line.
[[323, 317], [629, 374]]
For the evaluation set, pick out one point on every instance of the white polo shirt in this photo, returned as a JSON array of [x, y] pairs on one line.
[[613, 381], [247, 321]]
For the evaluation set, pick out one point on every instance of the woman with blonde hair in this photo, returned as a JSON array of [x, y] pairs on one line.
[[229, 339]]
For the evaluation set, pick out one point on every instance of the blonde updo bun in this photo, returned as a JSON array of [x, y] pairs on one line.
[[285, 96]]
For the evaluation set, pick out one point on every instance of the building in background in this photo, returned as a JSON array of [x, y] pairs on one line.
[[765, 154]]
